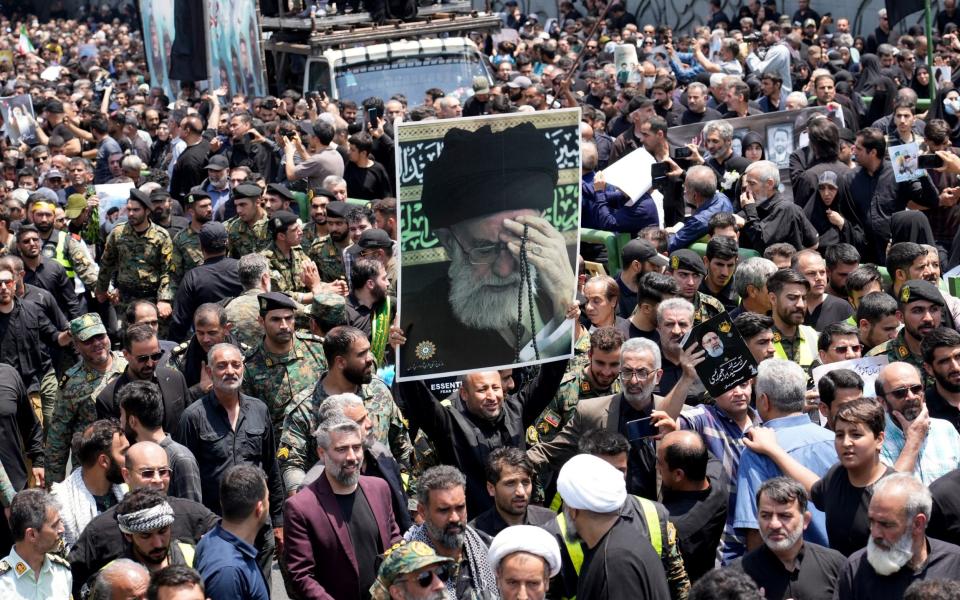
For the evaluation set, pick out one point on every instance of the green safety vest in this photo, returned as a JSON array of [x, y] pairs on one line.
[[575, 548]]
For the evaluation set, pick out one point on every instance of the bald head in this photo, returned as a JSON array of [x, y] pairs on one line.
[[682, 460], [147, 465], [121, 579]]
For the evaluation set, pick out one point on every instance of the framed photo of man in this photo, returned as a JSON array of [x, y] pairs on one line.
[[780, 144], [489, 228]]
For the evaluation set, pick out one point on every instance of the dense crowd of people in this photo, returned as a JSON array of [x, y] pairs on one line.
[[197, 384]]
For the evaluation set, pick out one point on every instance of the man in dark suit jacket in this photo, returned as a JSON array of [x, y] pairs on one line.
[[141, 348], [336, 527]]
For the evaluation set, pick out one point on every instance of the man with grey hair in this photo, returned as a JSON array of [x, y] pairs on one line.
[[449, 109], [780, 389], [899, 552], [797, 100], [639, 373], [30, 570], [699, 192], [243, 312], [442, 507], [718, 140], [675, 319], [338, 525], [766, 217], [119, 580], [750, 283]]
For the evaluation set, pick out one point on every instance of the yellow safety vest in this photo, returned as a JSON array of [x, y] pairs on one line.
[[806, 346], [575, 548]]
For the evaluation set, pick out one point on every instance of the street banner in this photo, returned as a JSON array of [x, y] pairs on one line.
[[158, 34], [233, 47], [489, 228]]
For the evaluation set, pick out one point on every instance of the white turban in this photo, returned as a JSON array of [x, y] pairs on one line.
[[525, 538], [587, 482]]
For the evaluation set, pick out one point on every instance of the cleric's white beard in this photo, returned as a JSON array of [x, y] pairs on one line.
[[489, 302], [888, 562]]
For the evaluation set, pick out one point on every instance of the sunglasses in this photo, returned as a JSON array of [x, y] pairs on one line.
[[155, 357], [901, 393], [151, 473], [843, 349], [426, 578]]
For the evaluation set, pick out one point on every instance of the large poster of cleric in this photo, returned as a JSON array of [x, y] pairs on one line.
[[158, 34], [233, 47], [727, 362], [489, 227]]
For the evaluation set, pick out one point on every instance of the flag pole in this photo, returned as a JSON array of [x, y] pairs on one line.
[[928, 20]]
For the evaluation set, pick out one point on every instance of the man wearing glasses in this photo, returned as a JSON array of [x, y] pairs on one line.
[[141, 349], [913, 442], [411, 570]]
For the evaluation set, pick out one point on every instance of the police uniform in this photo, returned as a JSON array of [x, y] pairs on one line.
[[19, 582], [705, 306], [897, 348], [76, 403], [324, 251], [247, 238], [141, 262]]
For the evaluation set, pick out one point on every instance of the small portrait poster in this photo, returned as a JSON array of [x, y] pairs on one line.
[[780, 144], [903, 159], [19, 123], [727, 360], [489, 227]]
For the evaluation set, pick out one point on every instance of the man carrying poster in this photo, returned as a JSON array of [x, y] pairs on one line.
[[510, 280]]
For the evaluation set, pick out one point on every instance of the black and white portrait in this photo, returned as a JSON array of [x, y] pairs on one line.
[[780, 144]]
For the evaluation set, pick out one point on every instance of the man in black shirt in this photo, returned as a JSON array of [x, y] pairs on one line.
[[941, 360], [366, 178], [695, 493], [510, 476], [721, 261], [697, 109], [45, 273], [822, 308], [786, 566], [190, 169], [898, 551]]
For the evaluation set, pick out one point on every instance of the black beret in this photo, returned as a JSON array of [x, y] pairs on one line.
[[325, 194], [374, 238], [919, 289], [280, 190], [483, 172], [280, 220], [197, 193], [688, 260], [247, 190], [275, 301], [142, 198], [338, 210]]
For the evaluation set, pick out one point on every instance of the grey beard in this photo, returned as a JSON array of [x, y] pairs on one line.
[[451, 541], [792, 538], [479, 305], [888, 562], [346, 480]]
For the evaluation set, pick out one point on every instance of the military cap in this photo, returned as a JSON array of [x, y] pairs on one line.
[[76, 203], [642, 251], [278, 189], [213, 236], [402, 559], [275, 301], [196, 193], [325, 194], [329, 309], [919, 289], [281, 220], [247, 190], [87, 326], [489, 172], [338, 210], [159, 195], [374, 238], [688, 260], [142, 198]]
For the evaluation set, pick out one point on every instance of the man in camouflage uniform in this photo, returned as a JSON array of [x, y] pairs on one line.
[[688, 270], [139, 254], [316, 229], [921, 309], [288, 261], [350, 371], [402, 564], [186, 244], [285, 363], [247, 230], [243, 312], [327, 252], [62, 247], [79, 388]]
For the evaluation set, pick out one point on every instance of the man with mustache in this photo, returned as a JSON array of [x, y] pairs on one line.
[[227, 427], [501, 197], [339, 524], [442, 508], [899, 552], [920, 306], [941, 358], [786, 566], [792, 340], [145, 519], [914, 443], [327, 251]]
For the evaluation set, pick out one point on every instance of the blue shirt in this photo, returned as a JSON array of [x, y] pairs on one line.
[[229, 568], [810, 445], [695, 226], [607, 210], [939, 454]]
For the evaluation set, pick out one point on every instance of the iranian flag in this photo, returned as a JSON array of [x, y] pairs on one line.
[[24, 46]]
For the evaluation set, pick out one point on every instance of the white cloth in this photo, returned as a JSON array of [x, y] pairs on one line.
[[525, 538], [587, 482], [77, 505]]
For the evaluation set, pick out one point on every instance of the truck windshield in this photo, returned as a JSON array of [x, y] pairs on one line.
[[411, 76]]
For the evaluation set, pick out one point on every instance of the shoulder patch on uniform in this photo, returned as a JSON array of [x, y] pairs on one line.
[[283, 454], [57, 559], [903, 351], [4, 566]]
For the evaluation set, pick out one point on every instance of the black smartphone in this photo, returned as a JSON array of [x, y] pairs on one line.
[[659, 170], [372, 117], [682, 153], [929, 161], [640, 429], [289, 134]]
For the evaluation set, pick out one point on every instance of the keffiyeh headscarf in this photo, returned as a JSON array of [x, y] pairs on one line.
[[148, 519]]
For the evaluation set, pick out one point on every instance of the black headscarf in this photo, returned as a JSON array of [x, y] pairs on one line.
[[923, 91], [752, 137], [937, 111], [872, 82]]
